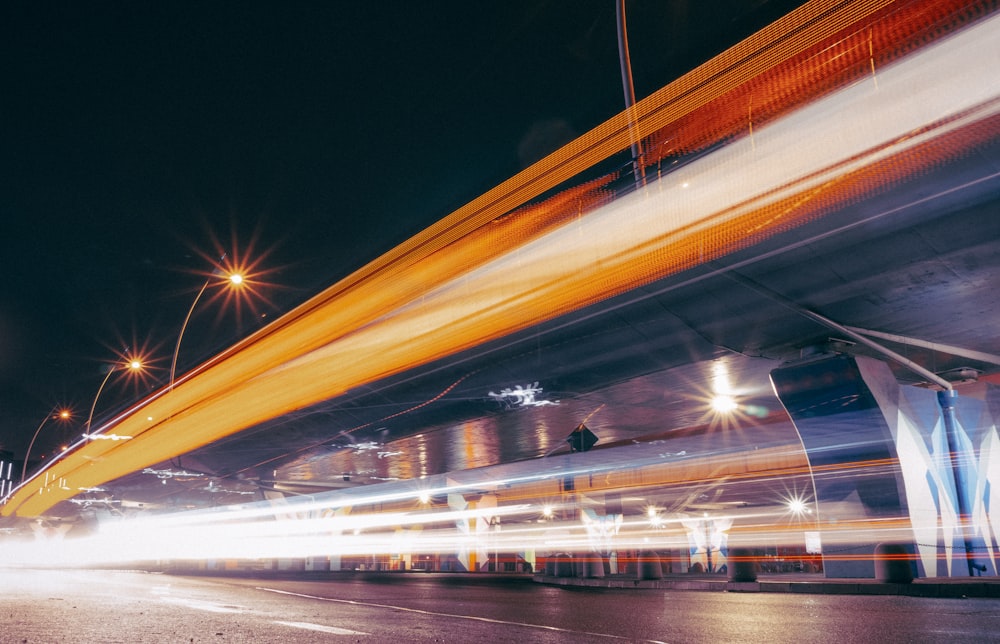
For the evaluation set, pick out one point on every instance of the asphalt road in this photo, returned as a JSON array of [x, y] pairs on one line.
[[122, 606]]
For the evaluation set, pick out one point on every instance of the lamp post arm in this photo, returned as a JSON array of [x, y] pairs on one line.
[[90, 416], [177, 348], [24, 469]]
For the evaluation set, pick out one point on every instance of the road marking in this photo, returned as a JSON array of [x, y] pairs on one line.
[[452, 615], [322, 629], [198, 604]]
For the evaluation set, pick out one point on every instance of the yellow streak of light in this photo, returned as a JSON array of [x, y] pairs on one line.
[[476, 275]]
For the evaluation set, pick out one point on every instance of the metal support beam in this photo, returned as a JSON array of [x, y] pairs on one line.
[[961, 352], [827, 322]]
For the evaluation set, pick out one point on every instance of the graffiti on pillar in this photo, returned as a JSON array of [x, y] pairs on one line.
[[708, 541], [929, 457], [937, 475], [601, 530], [463, 556]]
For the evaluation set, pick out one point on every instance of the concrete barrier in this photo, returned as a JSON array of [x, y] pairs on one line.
[[590, 566], [649, 566], [742, 564], [563, 566]]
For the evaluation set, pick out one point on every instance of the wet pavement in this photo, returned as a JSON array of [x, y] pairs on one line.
[[77, 606]]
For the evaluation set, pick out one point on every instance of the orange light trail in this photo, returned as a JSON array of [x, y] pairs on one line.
[[485, 272]]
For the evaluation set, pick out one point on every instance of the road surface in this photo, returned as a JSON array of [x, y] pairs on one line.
[[128, 606]]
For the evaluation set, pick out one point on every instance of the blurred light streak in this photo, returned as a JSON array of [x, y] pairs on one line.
[[299, 528], [383, 319], [432, 532], [291, 529]]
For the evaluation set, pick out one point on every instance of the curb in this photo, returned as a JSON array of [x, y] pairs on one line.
[[952, 588]]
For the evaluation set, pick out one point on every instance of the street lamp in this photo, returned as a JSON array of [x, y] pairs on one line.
[[132, 364], [233, 279], [61, 414]]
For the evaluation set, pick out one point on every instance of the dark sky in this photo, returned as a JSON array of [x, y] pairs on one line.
[[140, 141]]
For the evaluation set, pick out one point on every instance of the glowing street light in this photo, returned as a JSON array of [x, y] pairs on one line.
[[133, 364], [724, 404], [232, 279], [60, 414], [798, 507]]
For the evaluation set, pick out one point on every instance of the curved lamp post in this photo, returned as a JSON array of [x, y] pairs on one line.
[[63, 414], [233, 279], [134, 364]]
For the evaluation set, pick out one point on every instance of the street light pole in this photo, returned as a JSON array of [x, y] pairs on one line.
[[134, 364], [177, 347], [234, 279], [63, 414], [625, 62]]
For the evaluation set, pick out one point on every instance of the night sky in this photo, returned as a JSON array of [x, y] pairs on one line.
[[139, 142]]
